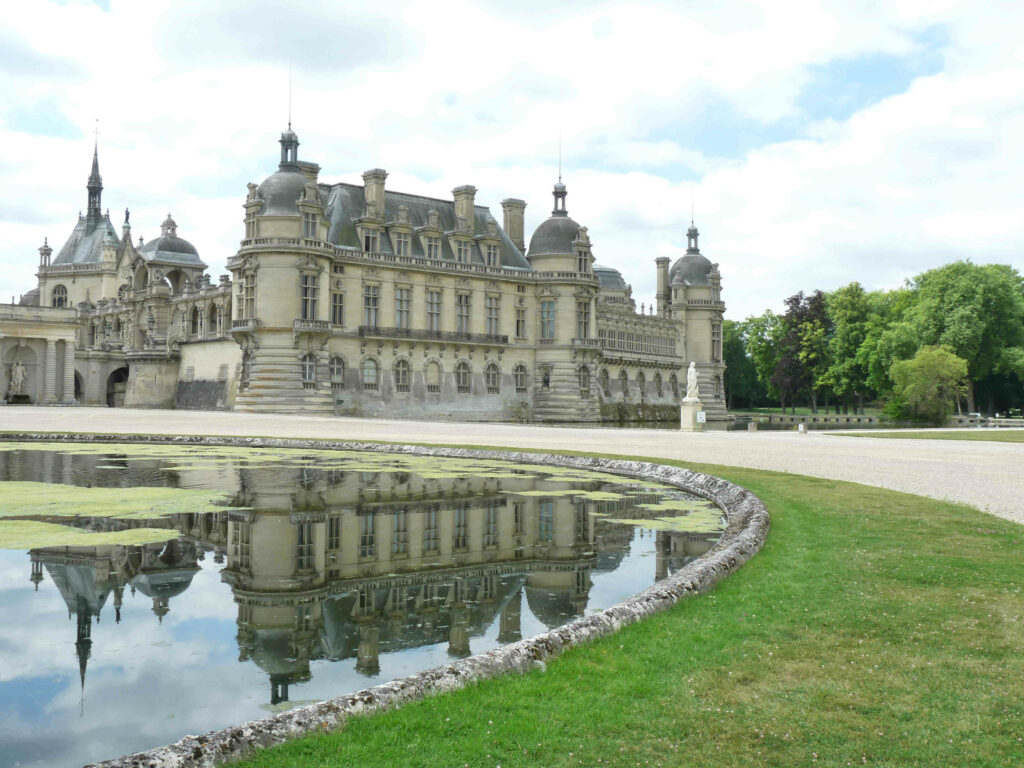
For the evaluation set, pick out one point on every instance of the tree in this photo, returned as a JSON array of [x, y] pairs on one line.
[[803, 347], [978, 312], [931, 382], [761, 335], [741, 380], [850, 310]]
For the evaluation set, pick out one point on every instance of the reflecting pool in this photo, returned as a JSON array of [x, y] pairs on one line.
[[152, 591]]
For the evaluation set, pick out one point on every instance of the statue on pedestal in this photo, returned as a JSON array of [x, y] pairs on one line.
[[18, 376], [692, 389]]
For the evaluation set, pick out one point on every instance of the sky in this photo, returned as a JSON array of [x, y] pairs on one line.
[[818, 143]]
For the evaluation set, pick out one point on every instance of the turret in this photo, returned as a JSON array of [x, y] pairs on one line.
[[45, 251]]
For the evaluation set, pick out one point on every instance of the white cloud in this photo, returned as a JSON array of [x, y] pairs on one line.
[[191, 99]]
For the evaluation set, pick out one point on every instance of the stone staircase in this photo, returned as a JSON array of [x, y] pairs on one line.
[[562, 401], [276, 387]]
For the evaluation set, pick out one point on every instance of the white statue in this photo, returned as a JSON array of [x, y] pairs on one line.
[[18, 376], [692, 390]]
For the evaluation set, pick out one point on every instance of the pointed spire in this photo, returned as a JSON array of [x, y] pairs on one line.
[[95, 190]]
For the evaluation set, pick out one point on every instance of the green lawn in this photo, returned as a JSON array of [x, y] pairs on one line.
[[874, 628], [993, 435]]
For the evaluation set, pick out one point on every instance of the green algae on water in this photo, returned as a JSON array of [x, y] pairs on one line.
[[34, 534], [28, 499]]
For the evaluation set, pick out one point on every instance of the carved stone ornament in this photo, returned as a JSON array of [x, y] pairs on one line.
[[547, 290], [462, 282], [308, 264], [373, 272], [493, 285]]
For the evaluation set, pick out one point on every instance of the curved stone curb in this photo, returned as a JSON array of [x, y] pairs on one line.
[[745, 533]]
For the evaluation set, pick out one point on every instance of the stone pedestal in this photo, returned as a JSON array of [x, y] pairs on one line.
[[688, 416]]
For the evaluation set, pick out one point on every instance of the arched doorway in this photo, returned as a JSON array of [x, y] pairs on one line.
[[117, 383], [79, 387]]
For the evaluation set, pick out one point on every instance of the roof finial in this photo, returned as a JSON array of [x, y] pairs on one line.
[[691, 207], [289, 95], [559, 154]]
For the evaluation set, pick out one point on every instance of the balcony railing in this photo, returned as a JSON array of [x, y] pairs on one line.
[[595, 343], [311, 326], [245, 325], [420, 334]]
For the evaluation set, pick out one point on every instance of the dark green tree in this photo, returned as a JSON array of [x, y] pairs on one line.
[[930, 383], [742, 386]]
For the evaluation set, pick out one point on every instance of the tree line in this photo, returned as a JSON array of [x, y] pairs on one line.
[[953, 337]]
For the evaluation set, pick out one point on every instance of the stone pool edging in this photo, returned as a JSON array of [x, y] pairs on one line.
[[746, 530]]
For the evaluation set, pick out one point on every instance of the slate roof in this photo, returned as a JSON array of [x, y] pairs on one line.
[[610, 278], [85, 246], [173, 249], [555, 235]]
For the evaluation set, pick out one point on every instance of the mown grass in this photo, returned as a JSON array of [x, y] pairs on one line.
[[874, 628], [993, 435]]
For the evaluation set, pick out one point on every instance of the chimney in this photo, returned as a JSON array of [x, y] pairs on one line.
[[464, 198], [514, 210], [373, 183], [663, 297], [310, 170]]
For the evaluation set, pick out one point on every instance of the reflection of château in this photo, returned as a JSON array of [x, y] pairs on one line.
[[349, 565]]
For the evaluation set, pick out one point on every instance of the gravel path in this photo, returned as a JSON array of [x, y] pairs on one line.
[[988, 476]]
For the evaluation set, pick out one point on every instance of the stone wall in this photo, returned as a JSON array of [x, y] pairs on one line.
[[746, 530]]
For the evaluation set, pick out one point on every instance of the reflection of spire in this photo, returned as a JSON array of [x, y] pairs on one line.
[[83, 645], [37, 573], [118, 600]]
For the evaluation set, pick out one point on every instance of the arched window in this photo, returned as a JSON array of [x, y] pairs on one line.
[[584, 381], [492, 376], [522, 378], [605, 380], [309, 371], [92, 334], [245, 376], [60, 296], [673, 384], [337, 367], [641, 384], [194, 325], [624, 382], [213, 321], [462, 378], [657, 384], [117, 327], [370, 374], [401, 372], [433, 376]]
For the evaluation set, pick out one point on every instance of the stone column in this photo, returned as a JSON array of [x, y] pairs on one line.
[[50, 372], [69, 371]]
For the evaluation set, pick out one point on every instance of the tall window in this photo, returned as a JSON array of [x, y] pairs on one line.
[[491, 252], [433, 376], [520, 323], [521, 378], [657, 383], [402, 302], [582, 262], [402, 244], [493, 306], [518, 517], [249, 295], [582, 319], [491, 525], [462, 313], [399, 532], [401, 376], [337, 308], [307, 295], [431, 531], [584, 381], [462, 377], [250, 224], [605, 381], [624, 382], [547, 319], [546, 520], [641, 383], [371, 302], [370, 240], [370, 374], [433, 247], [460, 538], [716, 341], [492, 376], [673, 384], [334, 532], [304, 546], [337, 368], [309, 371], [309, 225], [462, 252], [433, 310], [367, 536], [60, 296]]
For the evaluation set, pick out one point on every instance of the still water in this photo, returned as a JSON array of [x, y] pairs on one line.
[[149, 592]]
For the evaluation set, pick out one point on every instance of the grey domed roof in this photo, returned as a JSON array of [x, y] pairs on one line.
[[170, 247], [610, 278], [693, 268], [30, 299], [280, 191], [556, 235], [167, 584]]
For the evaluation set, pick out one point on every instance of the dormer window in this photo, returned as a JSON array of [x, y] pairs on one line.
[[462, 252], [250, 224], [308, 225], [371, 240], [433, 247], [491, 252], [582, 262], [402, 244]]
